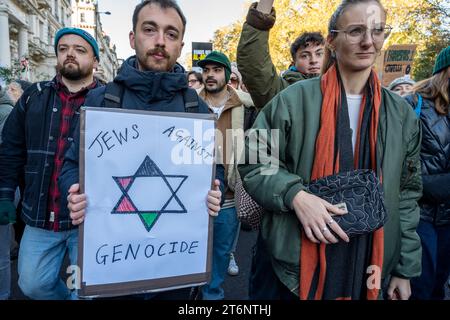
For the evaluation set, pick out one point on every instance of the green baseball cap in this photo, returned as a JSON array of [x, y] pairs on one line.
[[216, 57]]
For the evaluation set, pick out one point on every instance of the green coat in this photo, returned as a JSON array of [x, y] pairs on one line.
[[258, 71], [296, 113]]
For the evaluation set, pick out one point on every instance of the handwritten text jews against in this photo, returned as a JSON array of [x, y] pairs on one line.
[[109, 140]]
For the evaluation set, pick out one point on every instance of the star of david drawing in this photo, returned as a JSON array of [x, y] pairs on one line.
[[149, 216]]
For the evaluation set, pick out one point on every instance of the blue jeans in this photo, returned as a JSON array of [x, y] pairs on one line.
[[225, 228], [5, 263], [435, 262], [41, 255]]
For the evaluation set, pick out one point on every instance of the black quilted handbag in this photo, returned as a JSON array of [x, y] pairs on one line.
[[360, 191]]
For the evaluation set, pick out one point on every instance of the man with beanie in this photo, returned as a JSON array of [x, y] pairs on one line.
[[226, 103], [253, 57], [36, 137]]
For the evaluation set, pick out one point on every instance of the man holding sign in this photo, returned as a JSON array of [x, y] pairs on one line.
[[152, 81]]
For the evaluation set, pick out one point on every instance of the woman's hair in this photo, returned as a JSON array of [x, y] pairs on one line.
[[437, 89], [329, 59]]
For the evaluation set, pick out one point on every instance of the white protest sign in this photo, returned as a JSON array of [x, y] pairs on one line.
[[146, 176]]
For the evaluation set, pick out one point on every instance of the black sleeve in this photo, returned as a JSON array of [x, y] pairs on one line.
[[70, 171]]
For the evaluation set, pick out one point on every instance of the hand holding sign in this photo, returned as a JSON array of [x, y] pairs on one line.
[[213, 200], [77, 204]]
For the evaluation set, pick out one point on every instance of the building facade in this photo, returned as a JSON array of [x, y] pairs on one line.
[[27, 33], [87, 16]]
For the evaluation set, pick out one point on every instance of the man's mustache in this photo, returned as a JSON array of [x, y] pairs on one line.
[[70, 61], [158, 50], [211, 79]]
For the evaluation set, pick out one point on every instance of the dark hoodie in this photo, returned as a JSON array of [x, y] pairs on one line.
[[147, 90], [144, 90]]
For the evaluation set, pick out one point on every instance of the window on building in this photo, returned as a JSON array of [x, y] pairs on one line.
[[57, 10], [41, 30], [49, 35], [82, 17]]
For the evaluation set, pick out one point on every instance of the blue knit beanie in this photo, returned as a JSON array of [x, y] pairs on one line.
[[79, 32]]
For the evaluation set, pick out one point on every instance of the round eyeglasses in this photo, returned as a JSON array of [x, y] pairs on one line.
[[356, 34]]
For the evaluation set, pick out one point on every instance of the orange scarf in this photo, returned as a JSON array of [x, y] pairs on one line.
[[313, 255]]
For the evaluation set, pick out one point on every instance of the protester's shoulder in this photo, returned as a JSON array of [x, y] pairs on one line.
[[5, 109], [202, 106], [38, 87], [400, 111], [295, 98], [95, 96], [293, 76], [32, 94], [411, 99], [309, 86], [393, 100], [6, 104]]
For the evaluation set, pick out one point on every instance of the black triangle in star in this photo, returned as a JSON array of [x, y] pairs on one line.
[[148, 169]]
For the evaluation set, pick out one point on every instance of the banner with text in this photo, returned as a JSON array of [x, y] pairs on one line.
[[199, 51], [146, 176]]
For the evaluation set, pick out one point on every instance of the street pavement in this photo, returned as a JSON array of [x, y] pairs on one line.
[[236, 287]]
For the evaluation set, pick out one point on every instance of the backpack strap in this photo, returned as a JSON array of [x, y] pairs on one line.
[[418, 108], [113, 95], [191, 104]]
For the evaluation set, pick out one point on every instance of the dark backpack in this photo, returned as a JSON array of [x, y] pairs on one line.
[[114, 94]]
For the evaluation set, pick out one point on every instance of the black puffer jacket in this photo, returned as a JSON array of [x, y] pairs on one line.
[[435, 157]]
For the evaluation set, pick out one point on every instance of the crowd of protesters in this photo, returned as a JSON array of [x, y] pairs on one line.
[[333, 119]]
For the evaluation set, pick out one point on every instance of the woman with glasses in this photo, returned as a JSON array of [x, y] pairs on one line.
[[195, 80], [341, 121]]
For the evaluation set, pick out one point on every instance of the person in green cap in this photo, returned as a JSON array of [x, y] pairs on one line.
[[229, 105], [432, 103]]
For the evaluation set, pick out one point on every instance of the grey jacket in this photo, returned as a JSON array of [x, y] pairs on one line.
[[6, 106]]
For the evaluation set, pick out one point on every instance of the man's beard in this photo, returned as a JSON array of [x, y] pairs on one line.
[[311, 75], [73, 74], [219, 88]]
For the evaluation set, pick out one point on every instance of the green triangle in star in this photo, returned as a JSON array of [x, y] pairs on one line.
[[149, 219]]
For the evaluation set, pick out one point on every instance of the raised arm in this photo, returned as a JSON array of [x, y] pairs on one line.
[[253, 57]]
